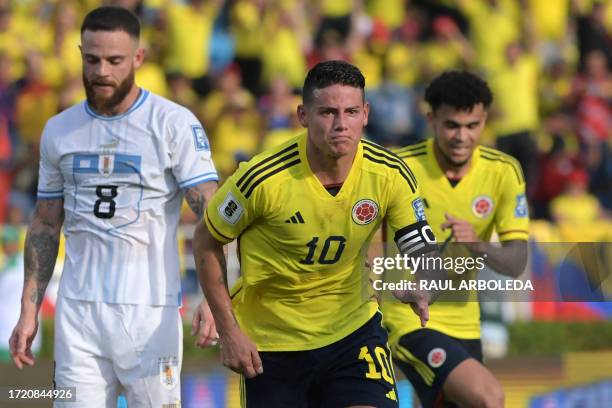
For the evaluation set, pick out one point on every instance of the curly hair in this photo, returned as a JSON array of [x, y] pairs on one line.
[[461, 90]]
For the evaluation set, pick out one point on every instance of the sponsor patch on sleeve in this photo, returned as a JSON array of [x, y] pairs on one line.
[[419, 209], [199, 138], [521, 210], [230, 209]]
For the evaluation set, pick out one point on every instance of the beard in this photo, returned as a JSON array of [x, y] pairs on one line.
[[107, 104]]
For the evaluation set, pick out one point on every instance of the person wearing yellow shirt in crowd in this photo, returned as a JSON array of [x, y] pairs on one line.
[[287, 42], [578, 213], [501, 15], [471, 190], [516, 91], [246, 26], [448, 49], [300, 326], [335, 15], [189, 30]]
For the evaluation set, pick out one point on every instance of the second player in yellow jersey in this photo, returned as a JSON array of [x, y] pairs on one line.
[[469, 192]]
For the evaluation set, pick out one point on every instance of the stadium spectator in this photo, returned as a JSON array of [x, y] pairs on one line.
[[278, 106], [515, 87], [189, 29], [117, 179], [246, 17], [578, 213], [395, 118]]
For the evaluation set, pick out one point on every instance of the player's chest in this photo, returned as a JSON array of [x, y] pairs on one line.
[[353, 212], [99, 157], [473, 202]]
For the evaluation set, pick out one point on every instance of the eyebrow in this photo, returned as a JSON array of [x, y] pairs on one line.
[[454, 123], [108, 58]]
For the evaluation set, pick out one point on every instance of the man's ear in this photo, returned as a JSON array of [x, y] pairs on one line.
[[301, 114], [139, 57]]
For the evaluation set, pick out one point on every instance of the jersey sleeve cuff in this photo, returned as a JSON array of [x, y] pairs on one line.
[[49, 195], [202, 178], [215, 231]]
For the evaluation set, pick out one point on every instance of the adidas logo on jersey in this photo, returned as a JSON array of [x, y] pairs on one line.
[[295, 219]]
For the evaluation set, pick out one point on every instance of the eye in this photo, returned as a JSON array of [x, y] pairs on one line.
[[473, 125]]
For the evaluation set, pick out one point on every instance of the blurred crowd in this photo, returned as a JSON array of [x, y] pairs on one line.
[[239, 65]]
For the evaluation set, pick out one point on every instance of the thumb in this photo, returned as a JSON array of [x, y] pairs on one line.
[[257, 364]]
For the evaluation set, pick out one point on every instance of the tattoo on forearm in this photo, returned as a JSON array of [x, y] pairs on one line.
[[40, 254], [196, 201]]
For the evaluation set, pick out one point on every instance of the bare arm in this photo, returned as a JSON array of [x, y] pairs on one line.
[[202, 324], [238, 352], [510, 259], [42, 242], [41, 246], [212, 274], [198, 197]]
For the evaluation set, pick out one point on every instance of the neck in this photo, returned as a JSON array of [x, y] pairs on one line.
[[328, 169], [450, 170]]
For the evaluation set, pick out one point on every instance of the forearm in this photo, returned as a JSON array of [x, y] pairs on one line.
[[198, 197], [41, 247], [509, 259], [212, 275]]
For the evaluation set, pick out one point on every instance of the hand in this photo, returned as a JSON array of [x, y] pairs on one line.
[[20, 343], [462, 231], [203, 324], [418, 301], [239, 354]]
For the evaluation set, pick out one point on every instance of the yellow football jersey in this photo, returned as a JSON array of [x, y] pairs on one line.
[[302, 250], [491, 196]]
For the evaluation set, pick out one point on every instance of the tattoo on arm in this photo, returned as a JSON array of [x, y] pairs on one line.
[[198, 196], [40, 258], [196, 201], [42, 243]]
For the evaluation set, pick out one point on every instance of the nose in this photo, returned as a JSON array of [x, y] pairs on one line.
[[101, 69], [340, 121], [463, 133]]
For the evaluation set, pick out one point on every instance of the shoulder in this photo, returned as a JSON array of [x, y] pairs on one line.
[[268, 166], [501, 163], [412, 152], [386, 162], [167, 108], [65, 123]]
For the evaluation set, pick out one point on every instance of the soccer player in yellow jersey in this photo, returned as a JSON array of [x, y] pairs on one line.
[[302, 325], [469, 191]]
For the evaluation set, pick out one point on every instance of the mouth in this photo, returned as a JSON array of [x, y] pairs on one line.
[[103, 86]]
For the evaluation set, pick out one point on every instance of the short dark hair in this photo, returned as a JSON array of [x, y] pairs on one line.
[[461, 90], [330, 73], [109, 18]]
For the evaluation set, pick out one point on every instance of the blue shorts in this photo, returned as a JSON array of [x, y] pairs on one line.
[[356, 370]]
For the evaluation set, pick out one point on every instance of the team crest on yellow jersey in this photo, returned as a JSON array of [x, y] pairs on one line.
[[482, 206], [365, 211]]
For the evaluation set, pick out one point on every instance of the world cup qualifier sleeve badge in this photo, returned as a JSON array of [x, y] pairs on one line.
[[168, 372]]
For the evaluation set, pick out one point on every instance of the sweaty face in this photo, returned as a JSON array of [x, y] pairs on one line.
[[457, 132], [109, 62], [335, 119]]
